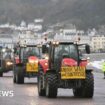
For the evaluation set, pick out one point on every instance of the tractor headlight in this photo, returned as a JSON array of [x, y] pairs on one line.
[[88, 60], [55, 42], [47, 57], [46, 64], [3, 50], [9, 63], [33, 61]]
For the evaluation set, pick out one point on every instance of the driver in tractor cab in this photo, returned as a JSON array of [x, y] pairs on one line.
[[31, 52], [63, 52]]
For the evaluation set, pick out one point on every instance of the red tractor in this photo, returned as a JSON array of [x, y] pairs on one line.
[[25, 62], [64, 67]]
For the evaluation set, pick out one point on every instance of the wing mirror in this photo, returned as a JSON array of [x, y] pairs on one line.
[[45, 49], [87, 47], [15, 50]]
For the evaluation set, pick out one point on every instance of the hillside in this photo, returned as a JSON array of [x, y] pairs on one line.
[[84, 13]]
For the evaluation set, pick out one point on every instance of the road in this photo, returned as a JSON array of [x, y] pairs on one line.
[[27, 93], [96, 56]]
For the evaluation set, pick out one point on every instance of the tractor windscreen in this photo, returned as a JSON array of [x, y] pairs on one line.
[[66, 50], [30, 51]]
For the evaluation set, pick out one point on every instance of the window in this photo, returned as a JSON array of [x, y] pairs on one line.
[[66, 50], [30, 51]]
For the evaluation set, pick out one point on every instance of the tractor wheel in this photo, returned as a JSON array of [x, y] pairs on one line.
[[14, 77], [88, 86], [77, 92], [1, 74], [19, 75], [51, 85], [14, 73], [41, 91]]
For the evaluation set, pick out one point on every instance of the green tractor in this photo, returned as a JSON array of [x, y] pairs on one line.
[[6, 60], [25, 62], [64, 67]]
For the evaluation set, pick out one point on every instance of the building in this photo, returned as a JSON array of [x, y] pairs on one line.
[[98, 43], [6, 40], [73, 35]]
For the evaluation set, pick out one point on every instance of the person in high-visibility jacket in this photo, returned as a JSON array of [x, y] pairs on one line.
[[103, 68]]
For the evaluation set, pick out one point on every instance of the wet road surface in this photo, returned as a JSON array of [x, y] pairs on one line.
[[27, 94]]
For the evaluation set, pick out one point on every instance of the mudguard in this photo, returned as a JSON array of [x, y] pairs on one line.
[[69, 62], [17, 61], [83, 63], [44, 64], [72, 62], [33, 58]]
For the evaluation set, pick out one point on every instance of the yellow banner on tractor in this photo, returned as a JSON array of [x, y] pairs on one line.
[[73, 72], [32, 67]]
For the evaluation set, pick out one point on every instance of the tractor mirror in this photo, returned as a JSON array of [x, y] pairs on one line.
[[87, 47], [15, 50], [44, 49]]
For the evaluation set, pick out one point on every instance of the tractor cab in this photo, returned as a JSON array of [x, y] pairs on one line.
[[26, 62], [65, 54], [65, 68]]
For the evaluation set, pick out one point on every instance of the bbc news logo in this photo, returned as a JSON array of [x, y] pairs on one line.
[[5, 93]]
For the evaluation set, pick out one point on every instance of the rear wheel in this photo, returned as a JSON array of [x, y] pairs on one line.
[[19, 76], [51, 85], [14, 73], [77, 92], [14, 78], [87, 88], [1, 74], [41, 90]]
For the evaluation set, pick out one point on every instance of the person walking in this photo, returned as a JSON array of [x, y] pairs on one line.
[[103, 68]]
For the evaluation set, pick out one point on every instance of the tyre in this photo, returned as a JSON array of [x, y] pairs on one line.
[[19, 75], [51, 85], [15, 68], [41, 90], [77, 92], [14, 77], [87, 88], [1, 74]]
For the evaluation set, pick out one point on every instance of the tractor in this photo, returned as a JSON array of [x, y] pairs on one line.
[[25, 62], [6, 60], [65, 67]]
